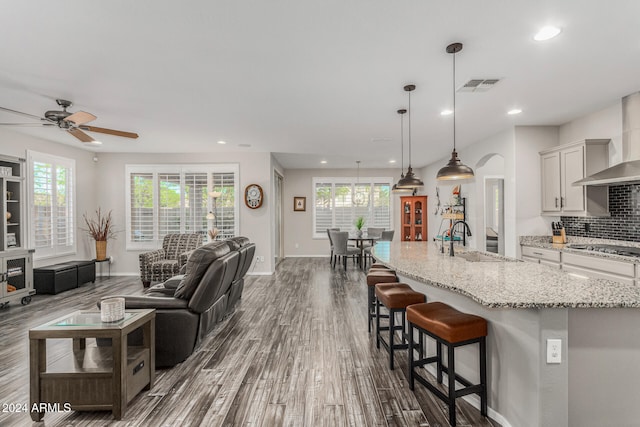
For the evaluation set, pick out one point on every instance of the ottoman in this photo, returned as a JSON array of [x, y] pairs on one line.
[[56, 278]]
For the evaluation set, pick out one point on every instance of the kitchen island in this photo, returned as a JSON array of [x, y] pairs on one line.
[[526, 304]]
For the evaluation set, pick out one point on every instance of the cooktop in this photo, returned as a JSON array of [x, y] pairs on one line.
[[609, 249]]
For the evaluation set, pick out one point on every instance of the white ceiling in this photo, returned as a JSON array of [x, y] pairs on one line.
[[311, 79]]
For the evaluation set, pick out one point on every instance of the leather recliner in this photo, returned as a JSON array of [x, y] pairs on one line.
[[190, 305]]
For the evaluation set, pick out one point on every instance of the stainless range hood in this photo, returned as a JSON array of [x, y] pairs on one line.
[[627, 172]]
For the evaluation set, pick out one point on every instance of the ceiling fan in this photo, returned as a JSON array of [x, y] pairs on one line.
[[74, 123]]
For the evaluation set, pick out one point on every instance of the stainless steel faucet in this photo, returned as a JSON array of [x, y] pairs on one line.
[[453, 226]]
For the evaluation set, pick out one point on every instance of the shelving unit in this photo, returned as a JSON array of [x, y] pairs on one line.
[[451, 214], [16, 261], [414, 218]]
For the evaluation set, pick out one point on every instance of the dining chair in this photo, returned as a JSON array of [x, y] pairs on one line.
[[331, 242], [341, 249], [386, 236]]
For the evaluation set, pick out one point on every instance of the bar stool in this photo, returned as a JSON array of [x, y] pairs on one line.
[[395, 297], [451, 328], [373, 278]]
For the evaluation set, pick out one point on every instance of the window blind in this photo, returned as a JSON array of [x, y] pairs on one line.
[[166, 199], [51, 204]]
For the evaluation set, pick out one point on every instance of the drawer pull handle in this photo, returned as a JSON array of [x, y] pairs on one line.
[[538, 253]]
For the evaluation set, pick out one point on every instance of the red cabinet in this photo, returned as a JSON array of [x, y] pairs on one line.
[[414, 218]]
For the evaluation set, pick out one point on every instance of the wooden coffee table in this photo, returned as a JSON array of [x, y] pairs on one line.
[[92, 378]]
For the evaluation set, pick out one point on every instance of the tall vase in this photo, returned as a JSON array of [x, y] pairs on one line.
[[101, 250]]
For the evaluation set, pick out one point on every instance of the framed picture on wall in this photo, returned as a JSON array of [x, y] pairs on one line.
[[299, 204]]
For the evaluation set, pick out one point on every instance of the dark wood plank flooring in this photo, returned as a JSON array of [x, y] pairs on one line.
[[295, 352]]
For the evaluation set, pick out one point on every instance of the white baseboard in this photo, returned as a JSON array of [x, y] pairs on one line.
[[260, 273], [307, 256]]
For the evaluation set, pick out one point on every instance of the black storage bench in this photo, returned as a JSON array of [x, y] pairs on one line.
[[53, 279], [86, 271]]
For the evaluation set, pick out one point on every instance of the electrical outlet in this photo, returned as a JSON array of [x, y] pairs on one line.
[[297, 246], [554, 350], [259, 259]]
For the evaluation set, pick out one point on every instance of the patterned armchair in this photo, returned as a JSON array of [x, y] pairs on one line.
[[161, 264]]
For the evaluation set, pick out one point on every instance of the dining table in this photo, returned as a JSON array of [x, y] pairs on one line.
[[360, 239]]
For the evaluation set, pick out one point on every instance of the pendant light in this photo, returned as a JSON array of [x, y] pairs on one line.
[[455, 169], [395, 187], [409, 181]]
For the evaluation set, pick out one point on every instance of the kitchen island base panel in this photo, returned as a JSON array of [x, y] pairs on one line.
[[523, 389]]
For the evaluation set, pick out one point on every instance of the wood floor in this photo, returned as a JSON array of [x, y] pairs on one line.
[[295, 352]]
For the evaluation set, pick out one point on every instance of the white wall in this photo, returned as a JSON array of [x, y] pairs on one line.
[[298, 228], [501, 144], [602, 124], [87, 185], [256, 224], [529, 141]]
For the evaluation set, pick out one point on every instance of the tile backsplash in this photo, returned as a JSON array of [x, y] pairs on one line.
[[624, 222]]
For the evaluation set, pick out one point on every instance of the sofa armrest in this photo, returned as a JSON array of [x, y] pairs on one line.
[[146, 261], [158, 302]]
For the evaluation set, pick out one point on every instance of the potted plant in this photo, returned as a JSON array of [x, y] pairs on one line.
[[359, 224], [101, 229]]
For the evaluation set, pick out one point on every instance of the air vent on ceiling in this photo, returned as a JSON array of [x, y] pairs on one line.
[[478, 85]]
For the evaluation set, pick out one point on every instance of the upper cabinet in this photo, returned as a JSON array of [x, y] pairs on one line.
[[566, 164]]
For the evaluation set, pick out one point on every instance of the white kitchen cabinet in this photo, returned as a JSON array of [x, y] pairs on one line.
[[561, 166], [548, 257], [599, 268]]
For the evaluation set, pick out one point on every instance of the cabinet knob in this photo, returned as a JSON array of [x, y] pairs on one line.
[[556, 202]]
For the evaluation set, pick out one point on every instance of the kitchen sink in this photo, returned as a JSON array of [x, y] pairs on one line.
[[478, 257]]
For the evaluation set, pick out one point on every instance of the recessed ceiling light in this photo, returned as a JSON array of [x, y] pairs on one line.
[[222, 142], [514, 111], [392, 161], [324, 162], [546, 33], [446, 112]]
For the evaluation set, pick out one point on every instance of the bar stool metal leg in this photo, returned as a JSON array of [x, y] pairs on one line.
[[483, 375], [392, 328], [451, 369], [377, 323], [410, 362]]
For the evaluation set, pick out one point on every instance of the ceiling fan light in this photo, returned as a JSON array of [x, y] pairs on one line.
[[454, 170]]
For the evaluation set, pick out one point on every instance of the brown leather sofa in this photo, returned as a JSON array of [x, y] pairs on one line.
[[189, 306]]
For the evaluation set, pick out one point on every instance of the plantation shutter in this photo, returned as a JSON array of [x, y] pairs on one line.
[[65, 217], [43, 204], [141, 210], [381, 206], [51, 204], [224, 211], [169, 203], [323, 207], [195, 202], [362, 204]]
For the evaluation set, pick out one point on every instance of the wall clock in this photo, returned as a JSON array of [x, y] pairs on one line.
[[253, 196]]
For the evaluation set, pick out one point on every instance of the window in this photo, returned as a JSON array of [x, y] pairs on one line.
[[163, 199], [51, 205], [337, 202]]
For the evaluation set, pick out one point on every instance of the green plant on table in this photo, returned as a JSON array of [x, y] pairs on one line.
[[359, 222]]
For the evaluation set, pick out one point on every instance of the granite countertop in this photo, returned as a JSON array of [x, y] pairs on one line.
[[505, 283], [544, 242]]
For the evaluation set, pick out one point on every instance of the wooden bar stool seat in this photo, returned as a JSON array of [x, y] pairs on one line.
[[451, 328], [373, 278], [395, 297]]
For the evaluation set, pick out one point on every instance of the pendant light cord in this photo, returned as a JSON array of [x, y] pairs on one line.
[[409, 128], [454, 101], [402, 142]]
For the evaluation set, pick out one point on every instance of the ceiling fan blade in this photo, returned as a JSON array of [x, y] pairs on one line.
[[110, 131], [27, 124], [21, 113], [80, 135], [80, 118]]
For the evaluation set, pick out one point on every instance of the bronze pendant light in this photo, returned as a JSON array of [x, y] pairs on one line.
[[395, 187], [409, 181], [455, 169]]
